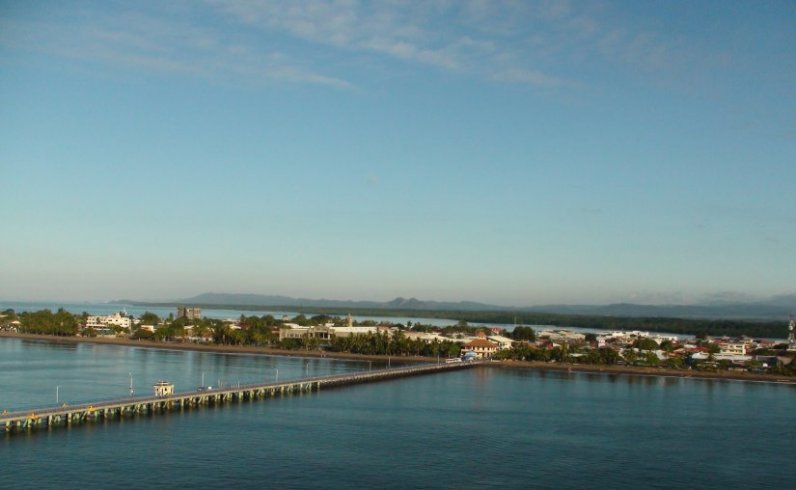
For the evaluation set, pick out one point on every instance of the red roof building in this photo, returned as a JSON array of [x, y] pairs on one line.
[[481, 347]]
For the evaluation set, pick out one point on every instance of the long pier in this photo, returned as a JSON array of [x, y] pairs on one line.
[[69, 415]]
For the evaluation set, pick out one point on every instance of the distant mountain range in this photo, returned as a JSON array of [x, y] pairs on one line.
[[774, 308], [262, 300]]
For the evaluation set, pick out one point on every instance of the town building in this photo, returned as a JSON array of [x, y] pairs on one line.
[[293, 331], [329, 330], [427, 337], [103, 325], [189, 312], [503, 342], [352, 331], [562, 336], [733, 348], [482, 348]]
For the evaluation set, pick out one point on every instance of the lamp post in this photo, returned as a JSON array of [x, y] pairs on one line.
[[132, 391], [57, 395]]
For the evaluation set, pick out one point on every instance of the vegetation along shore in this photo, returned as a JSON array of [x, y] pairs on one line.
[[628, 352]]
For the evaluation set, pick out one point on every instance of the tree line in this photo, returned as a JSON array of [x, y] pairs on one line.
[[45, 322], [682, 326]]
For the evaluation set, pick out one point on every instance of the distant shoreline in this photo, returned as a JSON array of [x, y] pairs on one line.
[[535, 365]]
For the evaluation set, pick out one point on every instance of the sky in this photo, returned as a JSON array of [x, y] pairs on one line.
[[508, 152]]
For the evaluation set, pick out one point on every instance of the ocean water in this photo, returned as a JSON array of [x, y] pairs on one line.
[[485, 427]]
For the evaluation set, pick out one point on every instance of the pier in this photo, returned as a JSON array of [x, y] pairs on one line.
[[69, 415]]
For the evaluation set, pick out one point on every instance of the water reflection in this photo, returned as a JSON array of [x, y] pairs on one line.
[[32, 371]]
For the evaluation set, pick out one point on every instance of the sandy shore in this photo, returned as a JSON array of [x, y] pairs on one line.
[[544, 366]]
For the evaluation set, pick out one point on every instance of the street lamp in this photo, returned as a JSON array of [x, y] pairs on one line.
[[57, 394], [132, 391]]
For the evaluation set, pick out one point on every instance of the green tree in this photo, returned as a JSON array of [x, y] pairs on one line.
[[630, 356], [645, 343], [523, 333], [675, 362], [300, 320], [149, 318]]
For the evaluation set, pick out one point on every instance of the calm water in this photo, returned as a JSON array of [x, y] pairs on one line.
[[486, 427]]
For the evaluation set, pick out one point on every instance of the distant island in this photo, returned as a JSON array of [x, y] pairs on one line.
[[758, 319]]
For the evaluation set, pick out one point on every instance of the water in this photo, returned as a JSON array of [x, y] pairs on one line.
[[485, 427], [33, 373]]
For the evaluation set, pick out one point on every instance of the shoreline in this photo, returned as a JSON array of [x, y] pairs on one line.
[[347, 356], [219, 349], [650, 371]]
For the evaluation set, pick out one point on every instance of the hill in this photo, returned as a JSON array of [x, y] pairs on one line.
[[775, 308]]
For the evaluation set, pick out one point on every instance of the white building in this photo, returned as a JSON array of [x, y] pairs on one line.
[[293, 331], [733, 349], [559, 336], [427, 337], [104, 323], [503, 342], [327, 331], [352, 331]]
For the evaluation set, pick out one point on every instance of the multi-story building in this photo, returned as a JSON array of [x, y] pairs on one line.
[[189, 312], [293, 331], [733, 348], [104, 323], [482, 348]]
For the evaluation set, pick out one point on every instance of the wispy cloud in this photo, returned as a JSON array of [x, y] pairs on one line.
[[530, 43], [546, 44], [396, 29], [143, 42], [482, 39]]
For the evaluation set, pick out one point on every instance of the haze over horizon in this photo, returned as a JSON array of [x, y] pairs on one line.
[[511, 153]]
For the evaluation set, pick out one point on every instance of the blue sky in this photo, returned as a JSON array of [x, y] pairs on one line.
[[517, 153]]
